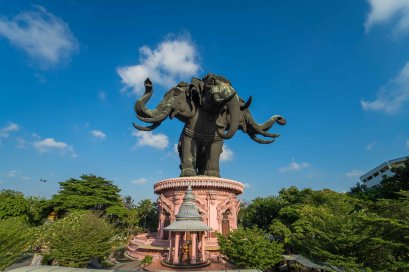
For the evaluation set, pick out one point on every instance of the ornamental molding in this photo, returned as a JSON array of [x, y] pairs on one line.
[[199, 182]]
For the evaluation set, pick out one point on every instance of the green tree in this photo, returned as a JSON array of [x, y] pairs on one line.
[[337, 229], [38, 209], [13, 204], [250, 248], [15, 240], [79, 237], [282, 234], [261, 211], [147, 214], [88, 193]]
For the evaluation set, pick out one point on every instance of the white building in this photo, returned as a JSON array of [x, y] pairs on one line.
[[375, 176]]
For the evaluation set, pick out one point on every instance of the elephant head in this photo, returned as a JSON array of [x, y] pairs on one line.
[[176, 102], [216, 94]]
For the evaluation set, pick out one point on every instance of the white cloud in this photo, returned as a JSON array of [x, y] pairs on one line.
[[147, 138], [98, 134], [175, 149], [170, 61], [392, 96], [42, 35], [370, 146], [227, 154], [25, 178], [384, 11], [294, 166], [247, 185], [407, 143], [12, 173], [49, 144], [354, 173], [11, 127], [140, 181]]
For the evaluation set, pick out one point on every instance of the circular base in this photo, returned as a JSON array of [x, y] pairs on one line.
[[185, 265], [203, 182]]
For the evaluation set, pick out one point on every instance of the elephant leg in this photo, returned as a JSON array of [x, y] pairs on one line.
[[189, 153], [213, 154]]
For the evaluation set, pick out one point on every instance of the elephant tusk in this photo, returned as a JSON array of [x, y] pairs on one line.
[[148, 128], [155, 119], [247, 104]]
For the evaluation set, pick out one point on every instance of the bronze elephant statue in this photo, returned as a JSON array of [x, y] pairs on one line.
[[212, 111]]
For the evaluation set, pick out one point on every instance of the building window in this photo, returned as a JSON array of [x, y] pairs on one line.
[[226, 223], [384, 169], [369, 178], [376, 174]]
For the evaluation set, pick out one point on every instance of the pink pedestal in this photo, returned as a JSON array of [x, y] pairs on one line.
[[215, 198], [217, 201]]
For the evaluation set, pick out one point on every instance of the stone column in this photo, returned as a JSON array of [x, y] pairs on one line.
[[203, 247], [170, 247], [194, 248], [176, 256], [160, 227]]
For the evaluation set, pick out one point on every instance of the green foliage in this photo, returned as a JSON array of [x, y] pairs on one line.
[[31, 209], [261, 212], [39, 208], [335, 228], [250, 248], [88, 193], [148, 259], [75, 239], [146, 211], [15, 241], [13, 204]]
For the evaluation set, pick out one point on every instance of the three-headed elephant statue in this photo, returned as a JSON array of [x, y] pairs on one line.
[[212, 112]]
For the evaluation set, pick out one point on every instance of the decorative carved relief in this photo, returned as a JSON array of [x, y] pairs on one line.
[[203, 209], [222, 207], [167, 205]]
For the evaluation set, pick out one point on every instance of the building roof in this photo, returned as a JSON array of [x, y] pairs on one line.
[[188, 217]]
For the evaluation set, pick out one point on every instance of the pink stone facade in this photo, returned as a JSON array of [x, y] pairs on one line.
[[218, 205], [216, 199]]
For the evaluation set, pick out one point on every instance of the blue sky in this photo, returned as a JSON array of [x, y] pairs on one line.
[[70, 72]]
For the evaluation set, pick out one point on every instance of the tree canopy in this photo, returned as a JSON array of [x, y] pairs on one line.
[[13, 204], [250, 248], [336, 228], [78, 237], [88, 193]]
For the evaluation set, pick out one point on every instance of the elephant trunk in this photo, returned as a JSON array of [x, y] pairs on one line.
[[140, 104], [270, 122], [233, 107]]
